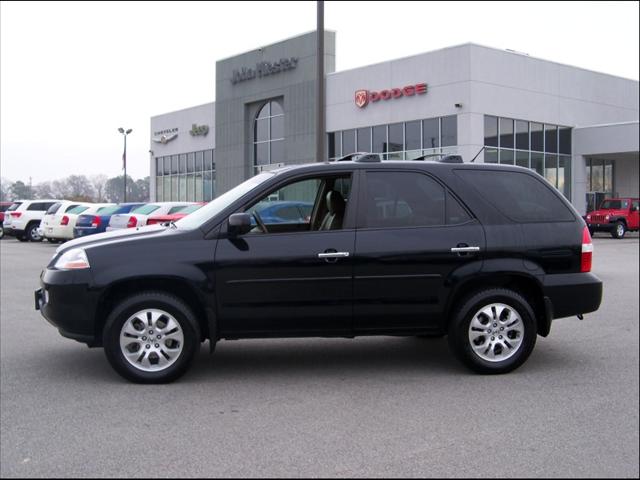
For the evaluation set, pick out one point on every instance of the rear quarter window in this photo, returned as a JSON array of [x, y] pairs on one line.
[[14, 206], [518, 196]]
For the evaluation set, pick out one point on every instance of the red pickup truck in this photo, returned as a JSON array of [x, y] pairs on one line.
[[616, 216]]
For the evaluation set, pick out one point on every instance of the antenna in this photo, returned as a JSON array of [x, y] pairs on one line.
[[480, 151]]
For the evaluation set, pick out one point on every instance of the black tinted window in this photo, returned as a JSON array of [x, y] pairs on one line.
[[403, 199], [40, 206], [455, 212], [519, 196]]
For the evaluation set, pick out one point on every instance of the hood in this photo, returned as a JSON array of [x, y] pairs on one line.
[[116, 236]]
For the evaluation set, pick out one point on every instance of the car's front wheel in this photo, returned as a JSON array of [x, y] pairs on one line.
[[1, 231], [619, 230], [151, 337], [494, 331]]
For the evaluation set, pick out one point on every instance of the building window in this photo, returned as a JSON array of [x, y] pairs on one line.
[[177, 185], [405, 140], [531, 145], [268, 135]]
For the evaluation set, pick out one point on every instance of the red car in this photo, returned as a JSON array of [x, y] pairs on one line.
[[616, 216], [3, 208], [174, 216]]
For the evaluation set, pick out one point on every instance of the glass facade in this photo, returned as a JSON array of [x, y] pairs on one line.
[[188, 177], [544, 148], [398, 141]]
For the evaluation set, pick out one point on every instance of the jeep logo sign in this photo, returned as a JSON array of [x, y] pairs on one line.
[[199, 130], [363, 97]]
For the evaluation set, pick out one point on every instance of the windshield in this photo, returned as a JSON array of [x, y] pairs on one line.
[[145, 209], [614, 205], [78, 209], [218, 204]]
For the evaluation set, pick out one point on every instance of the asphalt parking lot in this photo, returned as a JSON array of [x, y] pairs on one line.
[[386, 406]]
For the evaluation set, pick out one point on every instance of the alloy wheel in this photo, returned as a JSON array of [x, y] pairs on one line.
[[496, 332]]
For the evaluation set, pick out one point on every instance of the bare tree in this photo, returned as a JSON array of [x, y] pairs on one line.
[[99, 183], [44, 190]]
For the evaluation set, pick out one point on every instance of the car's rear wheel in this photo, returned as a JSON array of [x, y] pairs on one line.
[[32, 233], [619, 230], [1, 232], [151, 337], [494, 331]]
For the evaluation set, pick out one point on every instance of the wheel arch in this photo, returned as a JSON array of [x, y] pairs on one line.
[[523, 283], [171, 285]]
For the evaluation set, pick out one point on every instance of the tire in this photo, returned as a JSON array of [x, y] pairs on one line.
[[32, 233], [591, 232], [52, 240], [619, 230], [519, 331], [22, 238], [1, 232], [158, 308]]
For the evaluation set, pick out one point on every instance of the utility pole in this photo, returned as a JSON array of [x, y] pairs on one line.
[[320, 133]]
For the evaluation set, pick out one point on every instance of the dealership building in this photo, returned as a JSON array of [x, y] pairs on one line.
[[576, 127]]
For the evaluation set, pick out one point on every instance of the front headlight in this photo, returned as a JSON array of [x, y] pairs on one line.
[[588, 217], [74, 259], [606, 218]]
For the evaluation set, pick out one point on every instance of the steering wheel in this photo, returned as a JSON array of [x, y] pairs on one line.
[[259, 221]]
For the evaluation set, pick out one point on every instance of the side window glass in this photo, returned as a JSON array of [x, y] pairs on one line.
[[456, 213], [635, 204], [403, 199], [305, 205]]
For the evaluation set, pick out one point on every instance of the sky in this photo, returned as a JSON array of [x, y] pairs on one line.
[[71, 73]]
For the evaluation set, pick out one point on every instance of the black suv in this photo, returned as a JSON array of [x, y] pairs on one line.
[[487, 254]]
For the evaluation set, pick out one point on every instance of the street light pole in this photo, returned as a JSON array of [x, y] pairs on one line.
[[320, 135], [124, 159]]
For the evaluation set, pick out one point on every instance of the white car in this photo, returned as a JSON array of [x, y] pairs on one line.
[[53, 215], [60, 226], [138, 216], [22, 219]]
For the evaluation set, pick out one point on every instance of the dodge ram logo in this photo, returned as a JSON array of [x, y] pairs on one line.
[[362, 98]]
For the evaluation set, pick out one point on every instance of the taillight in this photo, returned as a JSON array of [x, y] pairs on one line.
[[96, 222], [133, 221], [64, 221], [16, 214], [587, 251]]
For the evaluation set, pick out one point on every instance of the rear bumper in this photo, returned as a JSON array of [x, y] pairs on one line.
[[13, 232], [572, 294], [84, 231], [66, 302]]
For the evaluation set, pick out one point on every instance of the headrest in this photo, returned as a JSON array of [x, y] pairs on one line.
[[335, 202]]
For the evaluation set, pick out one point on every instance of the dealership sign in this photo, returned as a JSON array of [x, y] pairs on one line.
[[363, 97], [164, 136], [199, 130], [264, 69]]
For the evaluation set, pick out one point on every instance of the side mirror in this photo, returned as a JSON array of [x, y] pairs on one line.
[[239, 224]]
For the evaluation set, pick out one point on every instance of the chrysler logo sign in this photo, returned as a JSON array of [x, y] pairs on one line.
[[264, 69], [164, 136], [363, 97]]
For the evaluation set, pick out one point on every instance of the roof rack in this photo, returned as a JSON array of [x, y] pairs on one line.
[[444, 158], [365, 157]]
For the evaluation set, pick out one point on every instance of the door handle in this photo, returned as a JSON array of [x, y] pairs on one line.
[[465, 249], [333, 255]]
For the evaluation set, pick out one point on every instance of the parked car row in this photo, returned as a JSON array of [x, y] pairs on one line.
[[62, 220]]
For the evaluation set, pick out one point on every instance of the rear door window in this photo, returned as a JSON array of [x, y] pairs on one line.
[[519, 196], [403, 199], [41, 206]]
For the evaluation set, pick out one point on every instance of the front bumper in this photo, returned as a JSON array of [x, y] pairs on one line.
[[601, 227], [66, 301], [572, 294]]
